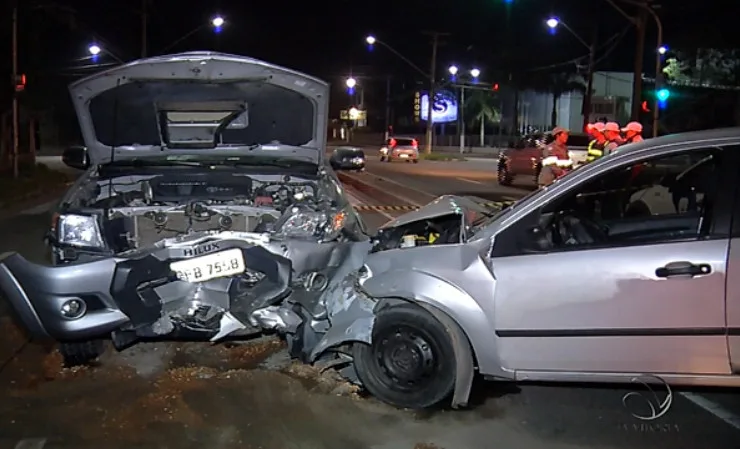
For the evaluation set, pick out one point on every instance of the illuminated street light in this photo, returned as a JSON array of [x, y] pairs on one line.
[[453, 70], [553, 22], [351, 82], [475, 73], [662, 49], [218, 21], [94, 49], [370, 40]]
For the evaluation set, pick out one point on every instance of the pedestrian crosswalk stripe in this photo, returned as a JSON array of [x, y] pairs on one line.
[[408, 208]]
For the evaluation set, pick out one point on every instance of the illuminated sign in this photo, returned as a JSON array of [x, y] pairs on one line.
[[444, 109]]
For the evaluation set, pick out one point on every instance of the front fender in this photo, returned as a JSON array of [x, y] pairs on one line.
[[426, 288]]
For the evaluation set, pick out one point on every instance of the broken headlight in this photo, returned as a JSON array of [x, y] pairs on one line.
[[303, 223], [79, 230]]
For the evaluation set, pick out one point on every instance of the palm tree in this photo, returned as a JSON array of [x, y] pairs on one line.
[[482, 107], [559, 84]]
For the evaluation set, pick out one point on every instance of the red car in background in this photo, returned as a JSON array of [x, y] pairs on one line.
[[523, 157]]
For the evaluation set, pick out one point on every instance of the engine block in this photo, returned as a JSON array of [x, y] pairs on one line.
[[150, 228]]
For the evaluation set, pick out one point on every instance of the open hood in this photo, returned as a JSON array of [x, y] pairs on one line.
[[202, 103], [470, 206]]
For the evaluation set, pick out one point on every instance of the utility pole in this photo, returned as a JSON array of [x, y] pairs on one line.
[[589, 80], [461, 112], [640, 24], [432, 84], [387, 106], [144, 27], [15, 91]]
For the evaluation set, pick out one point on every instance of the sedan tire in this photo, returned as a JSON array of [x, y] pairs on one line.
[[504, 176], [411, 362]]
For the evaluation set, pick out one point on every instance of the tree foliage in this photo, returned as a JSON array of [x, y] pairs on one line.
[[704, 67]]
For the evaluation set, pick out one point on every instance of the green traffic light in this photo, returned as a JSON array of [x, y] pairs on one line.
[[663, 94]]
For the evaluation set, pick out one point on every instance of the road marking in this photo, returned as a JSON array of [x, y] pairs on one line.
[[470, 180], [386, 208], [405, 187], [360, 206], [713, 408]]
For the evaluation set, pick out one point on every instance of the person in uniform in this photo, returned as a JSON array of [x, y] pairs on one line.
[[596, 146], [612, 133], [633, 132], [555, 160]]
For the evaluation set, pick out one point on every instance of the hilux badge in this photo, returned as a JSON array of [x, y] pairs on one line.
[[200, 249]]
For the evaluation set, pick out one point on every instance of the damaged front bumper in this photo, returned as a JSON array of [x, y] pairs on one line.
[[141, 293]]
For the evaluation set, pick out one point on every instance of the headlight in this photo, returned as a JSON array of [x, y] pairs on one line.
[[303, 223], [79, 230]]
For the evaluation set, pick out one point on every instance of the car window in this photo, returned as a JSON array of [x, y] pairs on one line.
[[404, 142], [660, 199]]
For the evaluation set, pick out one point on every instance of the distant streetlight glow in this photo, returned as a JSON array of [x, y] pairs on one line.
[[218, 21], [662, 49], [370, 40], [351, 82], [94, 49], [475, 73], [552, 22], [453, 70]]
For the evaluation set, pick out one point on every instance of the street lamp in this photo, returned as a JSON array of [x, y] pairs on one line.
[[554, 22], [371, 40], [216, 22], [475, 73], [662, 49], [96, 50], [453, 70], [351, 83]]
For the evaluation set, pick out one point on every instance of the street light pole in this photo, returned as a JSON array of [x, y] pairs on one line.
[[658, 67], [15, 92], [589, 82], [462, 119], [144, 27], [430, 98]]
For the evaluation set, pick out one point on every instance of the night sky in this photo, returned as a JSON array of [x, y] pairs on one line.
[[326, 38]]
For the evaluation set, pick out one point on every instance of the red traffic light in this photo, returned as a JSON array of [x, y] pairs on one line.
[[495, 86], [645, 107], [20, 83]]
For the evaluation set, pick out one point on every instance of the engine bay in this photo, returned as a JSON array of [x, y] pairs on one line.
[[138, 211]]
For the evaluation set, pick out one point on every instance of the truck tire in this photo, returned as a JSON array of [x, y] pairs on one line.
[[411, 362], [81, 352]]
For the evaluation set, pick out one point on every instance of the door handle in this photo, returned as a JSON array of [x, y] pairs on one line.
[[683, 269]]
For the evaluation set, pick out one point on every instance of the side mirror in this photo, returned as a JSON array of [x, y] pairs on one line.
[[76, 157]]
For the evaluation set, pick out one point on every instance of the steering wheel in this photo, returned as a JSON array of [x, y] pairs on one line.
[[571, 226]]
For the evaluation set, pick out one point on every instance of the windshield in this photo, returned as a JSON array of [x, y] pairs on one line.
[[404, 142], [204, 115]]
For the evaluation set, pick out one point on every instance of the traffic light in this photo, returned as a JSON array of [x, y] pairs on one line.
[[495, 87], [645, 107], [662, 93], [20, 83]]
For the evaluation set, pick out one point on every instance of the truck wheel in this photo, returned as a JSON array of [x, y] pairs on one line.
[[81, 352], [411, 362], [504, 176]]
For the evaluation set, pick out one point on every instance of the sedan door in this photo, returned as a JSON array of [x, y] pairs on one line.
[[571, 296]]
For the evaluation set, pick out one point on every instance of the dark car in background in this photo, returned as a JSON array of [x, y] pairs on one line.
[[347, 158], [523, 156]]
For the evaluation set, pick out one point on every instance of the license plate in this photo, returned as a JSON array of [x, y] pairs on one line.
[[212, 266], [403, 156]]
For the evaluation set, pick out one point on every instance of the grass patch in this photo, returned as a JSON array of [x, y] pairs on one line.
[[33, 181], [442, 157]]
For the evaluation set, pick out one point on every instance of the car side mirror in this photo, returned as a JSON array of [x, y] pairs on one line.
[[76, 157]]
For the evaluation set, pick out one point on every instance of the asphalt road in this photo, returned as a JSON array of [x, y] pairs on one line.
[[195, 395]]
